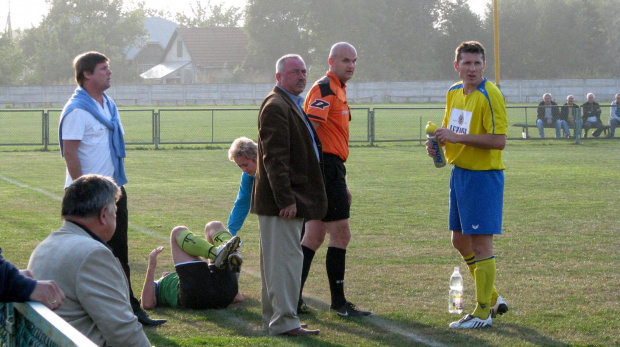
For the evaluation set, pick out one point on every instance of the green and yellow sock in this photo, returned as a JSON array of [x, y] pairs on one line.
[[221, 237], [194, 245], [485, 279], [471, 264]]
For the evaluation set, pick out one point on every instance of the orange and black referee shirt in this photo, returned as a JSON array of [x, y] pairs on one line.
[[326, 103]]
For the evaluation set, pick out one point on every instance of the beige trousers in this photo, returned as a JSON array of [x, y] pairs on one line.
[[281, 260]]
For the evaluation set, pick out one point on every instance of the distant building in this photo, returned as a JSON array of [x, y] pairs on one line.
[[200, 55], [150, 51]]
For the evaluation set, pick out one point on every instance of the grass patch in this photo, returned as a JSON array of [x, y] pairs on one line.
[[557, 259]]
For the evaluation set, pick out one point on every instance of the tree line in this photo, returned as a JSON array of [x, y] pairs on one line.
[[396, 40]]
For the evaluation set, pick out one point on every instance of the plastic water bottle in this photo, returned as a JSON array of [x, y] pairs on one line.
[[456, 292], [439, 158]]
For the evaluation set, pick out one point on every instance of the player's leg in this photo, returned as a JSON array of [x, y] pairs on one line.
[[177, 242], [484, 274], [216, 233]]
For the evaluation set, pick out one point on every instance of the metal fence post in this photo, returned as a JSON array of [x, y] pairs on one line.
[[371, 127], [156, 131], [46, 129], [577, 125]]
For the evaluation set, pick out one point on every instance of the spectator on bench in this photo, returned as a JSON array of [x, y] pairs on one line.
[[614, 116], [568, 114], [591, 117], [548, 114]]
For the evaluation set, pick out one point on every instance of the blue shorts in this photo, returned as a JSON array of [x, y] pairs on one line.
[[476, 201]]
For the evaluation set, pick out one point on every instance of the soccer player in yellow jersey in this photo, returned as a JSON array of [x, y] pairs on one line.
[[474, 134]]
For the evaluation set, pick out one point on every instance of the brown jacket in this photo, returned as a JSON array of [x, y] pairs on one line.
[[288, 171]]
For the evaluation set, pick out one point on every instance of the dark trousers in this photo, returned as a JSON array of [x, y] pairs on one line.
[[598, 125], [119, 246]]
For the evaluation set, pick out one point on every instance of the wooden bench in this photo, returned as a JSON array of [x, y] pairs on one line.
[[525, 127]]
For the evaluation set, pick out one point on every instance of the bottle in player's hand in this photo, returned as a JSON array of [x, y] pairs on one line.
[[439, 158]]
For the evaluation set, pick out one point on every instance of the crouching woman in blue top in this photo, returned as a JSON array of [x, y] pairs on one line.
[[243, 153]]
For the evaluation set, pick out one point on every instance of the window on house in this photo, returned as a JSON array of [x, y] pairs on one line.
[[179, 49]]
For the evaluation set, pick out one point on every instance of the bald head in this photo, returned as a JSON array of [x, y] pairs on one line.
[[342, 60]]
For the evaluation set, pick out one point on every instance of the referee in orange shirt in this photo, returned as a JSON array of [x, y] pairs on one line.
[[328, 110]]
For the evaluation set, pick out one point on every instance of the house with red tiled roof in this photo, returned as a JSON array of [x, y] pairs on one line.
[[200, 55]]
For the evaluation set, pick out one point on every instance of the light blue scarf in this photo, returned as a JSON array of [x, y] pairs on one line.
[[82, 100]]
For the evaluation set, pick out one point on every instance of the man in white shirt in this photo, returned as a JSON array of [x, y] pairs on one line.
[[91, 141]]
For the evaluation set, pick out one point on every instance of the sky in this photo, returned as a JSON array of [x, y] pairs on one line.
[[28, 13]]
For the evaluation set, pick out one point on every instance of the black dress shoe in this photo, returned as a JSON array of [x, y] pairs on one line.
[[146, 321]]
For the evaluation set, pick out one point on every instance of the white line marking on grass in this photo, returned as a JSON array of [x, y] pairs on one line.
[[372, 320], [22, 185], [59, 198], [380, 322]]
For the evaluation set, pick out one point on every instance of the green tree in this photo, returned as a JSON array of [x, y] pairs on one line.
[[392, 37], [457, 23], [556, 39], [276, 28], [76, 26], [210, 16], [11, 61]]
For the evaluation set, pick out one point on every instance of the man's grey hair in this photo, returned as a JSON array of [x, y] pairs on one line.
[[544, 95], [280, 63], [87, 195]]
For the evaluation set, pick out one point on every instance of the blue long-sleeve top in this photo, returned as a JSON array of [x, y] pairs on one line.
[[241, 207], [13, 285]]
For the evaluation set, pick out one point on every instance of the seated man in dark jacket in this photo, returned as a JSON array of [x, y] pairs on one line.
[[591, 116], [548, 114], [568, 115]]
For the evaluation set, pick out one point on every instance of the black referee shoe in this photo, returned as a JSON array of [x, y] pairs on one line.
[[350, 310]]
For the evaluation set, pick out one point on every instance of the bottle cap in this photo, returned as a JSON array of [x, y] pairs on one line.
[[430, 127]]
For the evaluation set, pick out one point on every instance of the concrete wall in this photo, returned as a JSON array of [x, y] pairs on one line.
[[516, 91]]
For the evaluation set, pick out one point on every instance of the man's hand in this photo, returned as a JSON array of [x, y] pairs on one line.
[[48, 293], [153, 256], [444, 135], [289, 212]]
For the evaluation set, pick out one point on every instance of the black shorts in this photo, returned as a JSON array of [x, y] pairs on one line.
[[204, 287], [338, 207]]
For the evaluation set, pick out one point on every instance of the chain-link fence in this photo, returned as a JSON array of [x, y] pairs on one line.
[[196, 126]]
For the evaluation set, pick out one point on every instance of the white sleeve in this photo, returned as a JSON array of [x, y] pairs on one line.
[[74, 124]]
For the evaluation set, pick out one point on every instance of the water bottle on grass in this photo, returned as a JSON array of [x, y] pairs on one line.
[[456, 292]]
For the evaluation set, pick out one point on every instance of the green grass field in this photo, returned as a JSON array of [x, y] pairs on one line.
[[557, 260]]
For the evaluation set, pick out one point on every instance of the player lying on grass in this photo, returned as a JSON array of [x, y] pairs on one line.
[[196, 284]]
